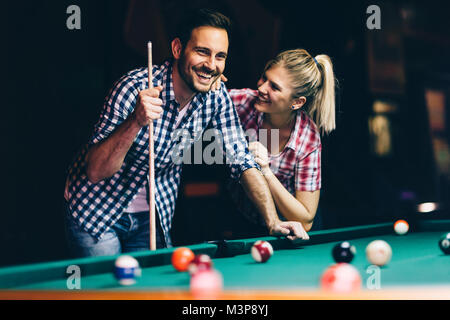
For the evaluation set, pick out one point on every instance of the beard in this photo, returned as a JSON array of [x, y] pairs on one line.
[[189, 78]]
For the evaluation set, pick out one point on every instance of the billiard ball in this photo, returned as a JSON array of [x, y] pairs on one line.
[[261, 251], [181, 258], [343, 252], [379, 252], [200, 262], [401, 227], [126, 269], [341, 278], [206, 284], [444, 243]]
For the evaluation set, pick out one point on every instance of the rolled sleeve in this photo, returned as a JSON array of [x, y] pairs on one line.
[[308, 172], [237, 155]]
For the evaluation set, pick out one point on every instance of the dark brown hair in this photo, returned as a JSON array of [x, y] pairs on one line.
[[200, 18]]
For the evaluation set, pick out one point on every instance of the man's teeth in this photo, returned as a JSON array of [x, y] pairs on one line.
[[204, 75]]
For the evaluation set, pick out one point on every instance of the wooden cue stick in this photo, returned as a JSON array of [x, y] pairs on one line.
[[151, 160]]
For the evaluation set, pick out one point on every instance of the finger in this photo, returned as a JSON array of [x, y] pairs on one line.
[[283, 230], [154, 115], [304, 234], [156, 110], [295, 230], [151, 92], [223, 78], [155, 101], [151, 101]]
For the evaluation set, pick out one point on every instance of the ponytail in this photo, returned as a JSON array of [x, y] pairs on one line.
[[322, 105]]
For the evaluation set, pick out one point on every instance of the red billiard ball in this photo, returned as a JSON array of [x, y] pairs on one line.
[[341, 278], [262, 251], [199, 263], [206, 284], [181, 258]]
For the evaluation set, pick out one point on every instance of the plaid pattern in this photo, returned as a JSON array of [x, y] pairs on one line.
[[297, 167], [96, 207]]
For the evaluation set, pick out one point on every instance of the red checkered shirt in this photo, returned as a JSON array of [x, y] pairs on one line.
[[297, 167]]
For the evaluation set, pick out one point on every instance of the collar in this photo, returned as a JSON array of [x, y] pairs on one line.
[[292, 143]]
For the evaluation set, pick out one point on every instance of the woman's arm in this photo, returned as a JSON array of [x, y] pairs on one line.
[[301, 208]]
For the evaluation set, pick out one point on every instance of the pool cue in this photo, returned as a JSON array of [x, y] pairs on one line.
[[151, 159]]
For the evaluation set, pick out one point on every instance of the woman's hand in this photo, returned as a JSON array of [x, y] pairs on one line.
[[216, 84], [261, 156]]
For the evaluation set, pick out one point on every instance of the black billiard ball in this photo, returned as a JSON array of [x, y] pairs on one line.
[[343, 252], [444, 243]]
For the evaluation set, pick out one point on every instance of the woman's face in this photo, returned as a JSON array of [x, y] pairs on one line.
[[274, 91]]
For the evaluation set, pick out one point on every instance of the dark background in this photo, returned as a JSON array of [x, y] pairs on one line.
[[56, 80]]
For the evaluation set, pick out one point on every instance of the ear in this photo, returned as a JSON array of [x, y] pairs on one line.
[[176, 48], [298, 103]]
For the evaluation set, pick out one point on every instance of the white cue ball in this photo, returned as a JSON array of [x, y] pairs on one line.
[[401, 227], [379, 252]]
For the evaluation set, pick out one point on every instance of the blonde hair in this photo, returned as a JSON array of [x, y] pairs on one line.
[[314, 79]]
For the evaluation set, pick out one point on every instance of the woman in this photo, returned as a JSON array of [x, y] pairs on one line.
[[283, 118]]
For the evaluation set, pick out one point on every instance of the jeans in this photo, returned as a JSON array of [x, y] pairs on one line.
[[130, 233]]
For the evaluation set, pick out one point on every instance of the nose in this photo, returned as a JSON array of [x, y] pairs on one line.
[[210, 63], [262, 86]]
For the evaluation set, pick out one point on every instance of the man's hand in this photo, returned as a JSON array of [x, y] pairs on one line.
[[291, 229], [148, 106]]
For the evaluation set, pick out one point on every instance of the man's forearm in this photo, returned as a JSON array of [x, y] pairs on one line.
[[105, 158], [258, 191]]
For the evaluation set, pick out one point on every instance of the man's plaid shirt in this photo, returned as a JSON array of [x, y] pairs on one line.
[[297, 167], [96, 207]]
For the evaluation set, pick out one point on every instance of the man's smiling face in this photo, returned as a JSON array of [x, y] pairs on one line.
[[202, 61]]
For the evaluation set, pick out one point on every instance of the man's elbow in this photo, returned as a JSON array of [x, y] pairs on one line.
[[92, 174]]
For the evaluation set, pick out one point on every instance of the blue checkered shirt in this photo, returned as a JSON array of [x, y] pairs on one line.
[[97, 206]]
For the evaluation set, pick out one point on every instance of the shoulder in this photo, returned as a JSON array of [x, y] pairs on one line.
[[307, 135], [139, 77], [242, 96]]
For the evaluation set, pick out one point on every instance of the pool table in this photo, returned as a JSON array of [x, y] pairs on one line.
[[418, 269]]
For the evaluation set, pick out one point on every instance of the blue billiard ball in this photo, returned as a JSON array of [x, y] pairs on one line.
[[126, 270]]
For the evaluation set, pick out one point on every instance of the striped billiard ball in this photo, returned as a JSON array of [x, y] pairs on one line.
[[261, 251]]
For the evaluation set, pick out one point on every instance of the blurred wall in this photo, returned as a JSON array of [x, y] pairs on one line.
[[57, 80]]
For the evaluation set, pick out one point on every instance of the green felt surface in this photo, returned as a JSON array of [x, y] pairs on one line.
[[417, 260]]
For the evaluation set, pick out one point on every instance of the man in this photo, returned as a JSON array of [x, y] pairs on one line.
[[107, 185]]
